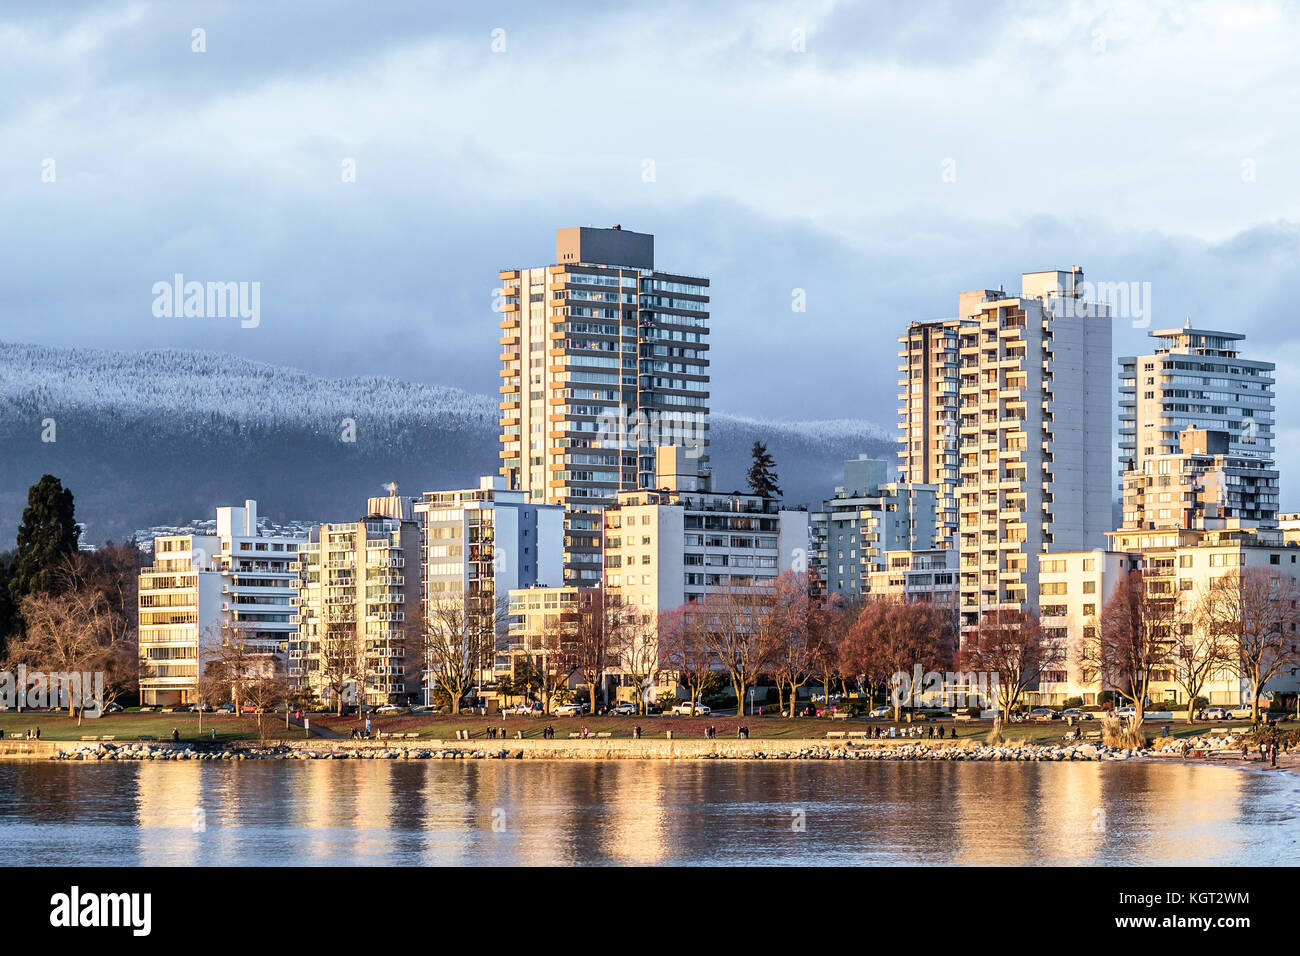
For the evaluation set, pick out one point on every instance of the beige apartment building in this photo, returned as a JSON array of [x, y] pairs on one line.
[[204, 589], [1202, 485], [358, 603], [1075, 587], [603, 359], [928, 392]]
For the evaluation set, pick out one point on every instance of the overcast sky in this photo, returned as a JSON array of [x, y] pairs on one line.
[[880, 157]]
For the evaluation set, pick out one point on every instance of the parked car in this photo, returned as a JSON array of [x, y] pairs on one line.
[[203, 708], [1043, 714], [685, 709], [1126, 711], [884, 711], [571, 709], [390, 709], [1216, 713], [112, 708], [1242, 712], [1078, 713], [226, 709], [625, 709], [523, 710], [425, 709]]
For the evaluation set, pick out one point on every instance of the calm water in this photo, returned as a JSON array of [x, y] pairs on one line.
[[635, 812]]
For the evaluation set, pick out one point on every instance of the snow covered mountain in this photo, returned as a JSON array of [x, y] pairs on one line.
[[164, 436]]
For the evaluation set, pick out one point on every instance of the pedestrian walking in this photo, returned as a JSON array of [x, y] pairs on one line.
[[176, 736]]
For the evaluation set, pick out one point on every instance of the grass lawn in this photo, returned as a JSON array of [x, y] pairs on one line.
[[445, 727], [128, 726]]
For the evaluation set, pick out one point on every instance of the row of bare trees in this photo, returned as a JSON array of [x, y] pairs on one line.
[[1242, 626]]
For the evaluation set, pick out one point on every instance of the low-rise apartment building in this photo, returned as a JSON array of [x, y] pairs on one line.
[[681, 541], [203, 589], [856, 531]]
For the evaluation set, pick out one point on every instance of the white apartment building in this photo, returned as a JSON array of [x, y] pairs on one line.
[[480, 544], [1033, 435], [202, 589], [681, 541], [856, 531], [1194, 378]]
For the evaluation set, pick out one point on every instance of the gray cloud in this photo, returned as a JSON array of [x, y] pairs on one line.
[[775, 171]]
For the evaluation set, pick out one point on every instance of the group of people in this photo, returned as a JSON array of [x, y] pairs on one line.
[[34, 734], [496, 733], [548, 732], [930, 731]]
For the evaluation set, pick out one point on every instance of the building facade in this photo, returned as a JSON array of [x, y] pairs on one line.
[[1202, 485], [1033, 435], [855, 532], [482, 543], [358, 600], [203, 589], [604, 358], [1194, 378], [928, 422], [680, 542]]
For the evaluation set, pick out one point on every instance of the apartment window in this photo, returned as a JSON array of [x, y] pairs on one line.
[[1089, 587]]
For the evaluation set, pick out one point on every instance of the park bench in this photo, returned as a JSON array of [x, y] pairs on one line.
[[383, 735], [840, 715], [857, 733], [962, 717], [108, 737], [834, 733], [413, 736], [1092, 735], [605, 733], [146, 737], [92, 737], [573, 734]]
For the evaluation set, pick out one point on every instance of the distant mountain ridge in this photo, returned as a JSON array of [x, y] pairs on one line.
[[163, 436]]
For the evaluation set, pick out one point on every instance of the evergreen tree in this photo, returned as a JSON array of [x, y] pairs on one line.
[[762, 473], [47, 534], [8, 609]]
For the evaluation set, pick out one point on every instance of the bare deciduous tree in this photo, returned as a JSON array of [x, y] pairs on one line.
[[685, 654], [448, 648], [1256, 610], [1009, 643], [637, 653], [1134, 639], [893, 637]]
